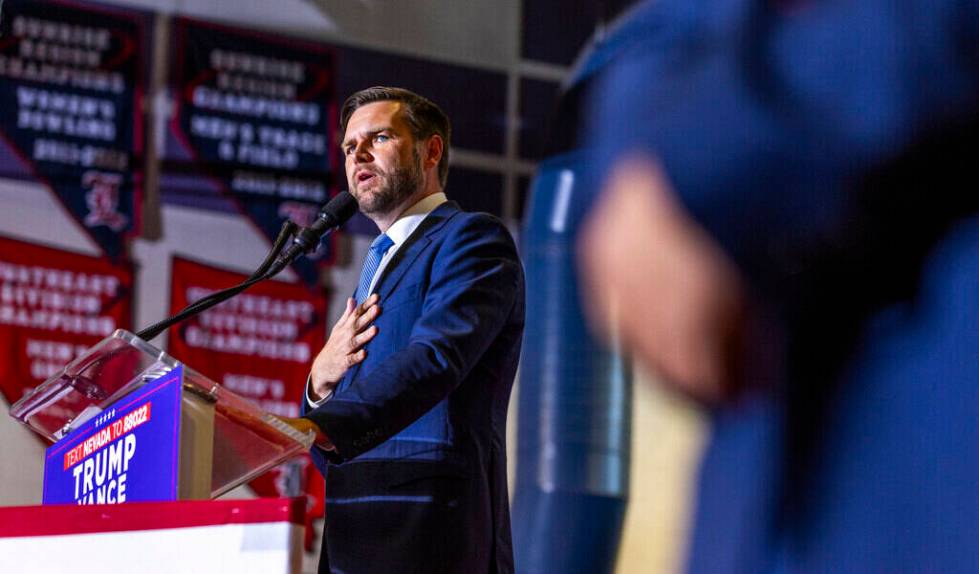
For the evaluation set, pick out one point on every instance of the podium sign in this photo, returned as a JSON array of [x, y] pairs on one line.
[[128, 453], [127, 409]]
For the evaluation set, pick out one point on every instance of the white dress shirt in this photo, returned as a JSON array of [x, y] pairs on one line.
[[399, 232]]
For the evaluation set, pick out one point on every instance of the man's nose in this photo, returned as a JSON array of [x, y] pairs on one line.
[[362, 153]]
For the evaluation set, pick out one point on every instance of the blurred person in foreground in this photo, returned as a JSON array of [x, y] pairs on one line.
[[788, 230], [409, 396]]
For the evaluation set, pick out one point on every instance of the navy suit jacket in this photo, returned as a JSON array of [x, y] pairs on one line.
[[418, 481], [829, 148]]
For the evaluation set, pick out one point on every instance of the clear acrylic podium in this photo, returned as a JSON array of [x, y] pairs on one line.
[[225, 440]]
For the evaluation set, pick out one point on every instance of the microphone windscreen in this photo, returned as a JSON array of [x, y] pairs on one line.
[[339, 209]]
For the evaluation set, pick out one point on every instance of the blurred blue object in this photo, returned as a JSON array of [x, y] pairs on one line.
[[574, 400]]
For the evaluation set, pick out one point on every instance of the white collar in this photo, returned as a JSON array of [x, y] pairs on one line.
[[413, 216]]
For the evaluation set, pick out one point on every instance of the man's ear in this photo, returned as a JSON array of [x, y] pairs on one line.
[[434, 148]]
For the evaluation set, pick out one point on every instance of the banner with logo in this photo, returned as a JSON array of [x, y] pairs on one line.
[[54, 305], [259, 344], [253, 122], [72, 79], [127, 453]]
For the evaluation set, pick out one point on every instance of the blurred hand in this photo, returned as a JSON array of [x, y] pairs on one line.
[[654, 278], [345, 347]]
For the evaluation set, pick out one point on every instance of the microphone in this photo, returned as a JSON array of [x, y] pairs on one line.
[[334, 214]]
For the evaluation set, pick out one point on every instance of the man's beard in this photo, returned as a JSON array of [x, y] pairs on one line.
[[403, 183]]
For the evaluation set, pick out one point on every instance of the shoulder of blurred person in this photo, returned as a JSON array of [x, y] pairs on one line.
[[813, 157]]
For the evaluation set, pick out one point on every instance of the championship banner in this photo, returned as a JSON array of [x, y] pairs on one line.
[[253, 122], [259, 344], [54, 305], [128, 453], [71, 91]]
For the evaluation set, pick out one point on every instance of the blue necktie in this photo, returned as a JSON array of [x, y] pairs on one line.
[[378, 248]]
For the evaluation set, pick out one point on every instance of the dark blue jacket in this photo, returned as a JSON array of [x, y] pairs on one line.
[[418, 482]]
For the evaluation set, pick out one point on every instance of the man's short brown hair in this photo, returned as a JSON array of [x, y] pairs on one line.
[[424, 117]]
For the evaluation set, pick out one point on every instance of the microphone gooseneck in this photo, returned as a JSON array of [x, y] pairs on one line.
[[332, 215]]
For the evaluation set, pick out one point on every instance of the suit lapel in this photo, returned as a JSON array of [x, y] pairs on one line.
[[394, 272], [414, 246]]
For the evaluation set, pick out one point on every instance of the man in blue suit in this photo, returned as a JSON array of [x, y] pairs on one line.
[[409, 395], [791, 203]]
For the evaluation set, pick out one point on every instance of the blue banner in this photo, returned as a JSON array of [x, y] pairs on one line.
[[127, 453], [253, 124], [71, 91]]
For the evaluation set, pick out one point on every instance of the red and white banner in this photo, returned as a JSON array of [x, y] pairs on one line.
[[54, 305], [259, 344]]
